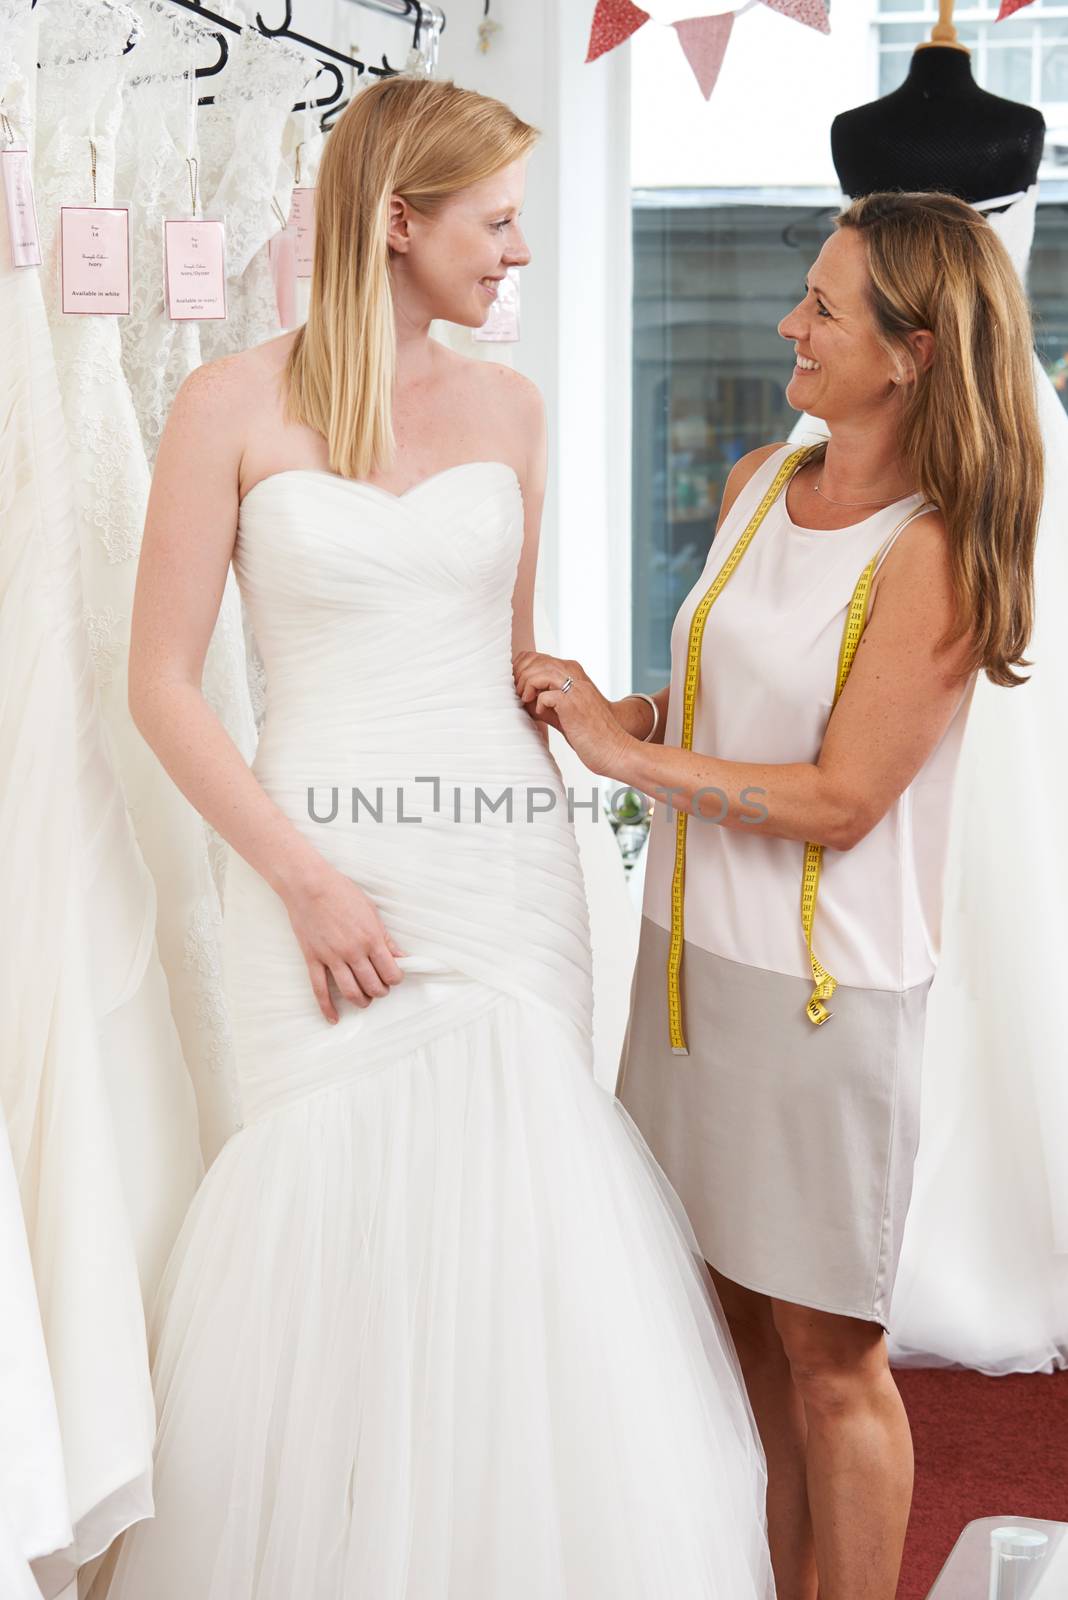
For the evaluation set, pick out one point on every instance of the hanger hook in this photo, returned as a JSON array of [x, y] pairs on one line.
[[286, 22], [332, 95]]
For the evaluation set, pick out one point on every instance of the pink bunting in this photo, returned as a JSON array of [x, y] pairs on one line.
[[704, 40], [613, 22], [1008, 7], [813, 13]]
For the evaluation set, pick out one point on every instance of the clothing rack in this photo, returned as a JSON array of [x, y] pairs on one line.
[[327, 56], [424, 15]]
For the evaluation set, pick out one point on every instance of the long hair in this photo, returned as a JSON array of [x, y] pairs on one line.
[[423, 140], [970, 435]]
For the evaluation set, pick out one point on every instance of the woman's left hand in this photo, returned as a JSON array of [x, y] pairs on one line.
[[581, 713]]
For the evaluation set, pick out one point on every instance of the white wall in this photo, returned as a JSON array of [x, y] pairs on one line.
[[768, 121]]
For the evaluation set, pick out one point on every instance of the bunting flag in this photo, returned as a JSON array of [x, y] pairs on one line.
[[704, 41], [813, 13], [1008, 7], [613, 22]]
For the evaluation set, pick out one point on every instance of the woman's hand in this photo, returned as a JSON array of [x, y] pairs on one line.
[[342, 937], [582, 713]]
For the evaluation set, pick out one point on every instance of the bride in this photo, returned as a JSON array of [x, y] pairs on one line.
[[436, 1326]]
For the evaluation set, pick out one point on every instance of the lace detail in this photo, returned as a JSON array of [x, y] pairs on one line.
[[134, 130], [203, 962], [241, 145], [102, 628]]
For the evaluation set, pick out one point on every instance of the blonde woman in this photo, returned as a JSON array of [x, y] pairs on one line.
[[822, 671], [435, 1328]]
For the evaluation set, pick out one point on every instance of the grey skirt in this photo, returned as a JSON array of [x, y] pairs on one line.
[[791, 1146]]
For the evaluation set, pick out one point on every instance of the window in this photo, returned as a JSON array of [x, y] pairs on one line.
[[711, 283], [1023, 58], [713, 276]]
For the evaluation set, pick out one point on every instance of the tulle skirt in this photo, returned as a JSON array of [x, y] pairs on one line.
[[443, 1330]]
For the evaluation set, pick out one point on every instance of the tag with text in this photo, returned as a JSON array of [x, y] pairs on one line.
[[21, 212], [194, 251], [302, 220], [94, 261]]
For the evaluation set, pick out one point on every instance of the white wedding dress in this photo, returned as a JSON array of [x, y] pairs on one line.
[[151, 175], [82, 999], [436, 1327], [983, 1276], [79, 95]]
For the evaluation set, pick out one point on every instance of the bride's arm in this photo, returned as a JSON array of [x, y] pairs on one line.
[[188, 540]]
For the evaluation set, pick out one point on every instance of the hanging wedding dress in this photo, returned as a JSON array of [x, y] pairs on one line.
[[436, 1324], [153, 178], [34, 1515], [983, 1276], [241, 143], [79, 105], [242, 173], [78, 915], [153, 175]]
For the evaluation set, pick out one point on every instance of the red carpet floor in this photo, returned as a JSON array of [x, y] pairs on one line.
[[985, 1447]]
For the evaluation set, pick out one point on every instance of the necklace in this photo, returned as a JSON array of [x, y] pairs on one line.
[[832, 502]]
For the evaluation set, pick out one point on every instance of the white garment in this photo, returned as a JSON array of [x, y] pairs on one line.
[[614, 909], [154, 1111], [241, 147], [34, 1514], [78, 918], [241, 141], [777, 626], [153, 175], [436, 1326], [983, 1276]]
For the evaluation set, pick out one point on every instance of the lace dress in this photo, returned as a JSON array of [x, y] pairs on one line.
[[82, 903], [241, 142], [154, 1109], [241, 139], [153, 178], [152, 175]]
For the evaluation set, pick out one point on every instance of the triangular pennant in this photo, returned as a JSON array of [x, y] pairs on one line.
[[613, 22], [1008, 7], [704, 40], [813, 13]]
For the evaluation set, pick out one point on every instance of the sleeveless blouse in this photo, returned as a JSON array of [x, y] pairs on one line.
[[768, 668]]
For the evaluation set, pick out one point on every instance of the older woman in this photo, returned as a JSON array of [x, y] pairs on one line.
[[822, 670]]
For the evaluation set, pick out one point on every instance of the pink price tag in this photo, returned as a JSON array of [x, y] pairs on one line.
[[21, 212], [282, 254], [94, 261], [194, 250], [302, 220], [502, 324]]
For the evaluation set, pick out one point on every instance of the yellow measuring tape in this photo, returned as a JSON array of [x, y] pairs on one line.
[[825, 984]]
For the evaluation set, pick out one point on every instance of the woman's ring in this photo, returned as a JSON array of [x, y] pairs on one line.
[[565, 686]]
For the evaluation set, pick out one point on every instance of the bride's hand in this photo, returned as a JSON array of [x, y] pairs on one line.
[[582, 714], [342, 937]]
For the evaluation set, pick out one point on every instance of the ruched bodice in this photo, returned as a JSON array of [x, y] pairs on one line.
[[394, 739], [409, 651]]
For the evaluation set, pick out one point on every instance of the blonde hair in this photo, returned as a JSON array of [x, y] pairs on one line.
[[970, 435], [423, 140]]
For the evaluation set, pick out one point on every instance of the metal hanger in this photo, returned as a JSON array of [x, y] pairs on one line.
[[327, 56]]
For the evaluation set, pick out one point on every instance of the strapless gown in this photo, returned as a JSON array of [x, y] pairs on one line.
[[436, 1327]]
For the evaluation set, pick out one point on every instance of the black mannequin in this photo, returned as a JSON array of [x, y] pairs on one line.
[[939, 130]]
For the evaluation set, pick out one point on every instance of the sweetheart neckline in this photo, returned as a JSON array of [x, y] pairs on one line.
[[375, 488]]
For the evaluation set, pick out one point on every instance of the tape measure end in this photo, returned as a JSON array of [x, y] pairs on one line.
[[679, 1050]]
